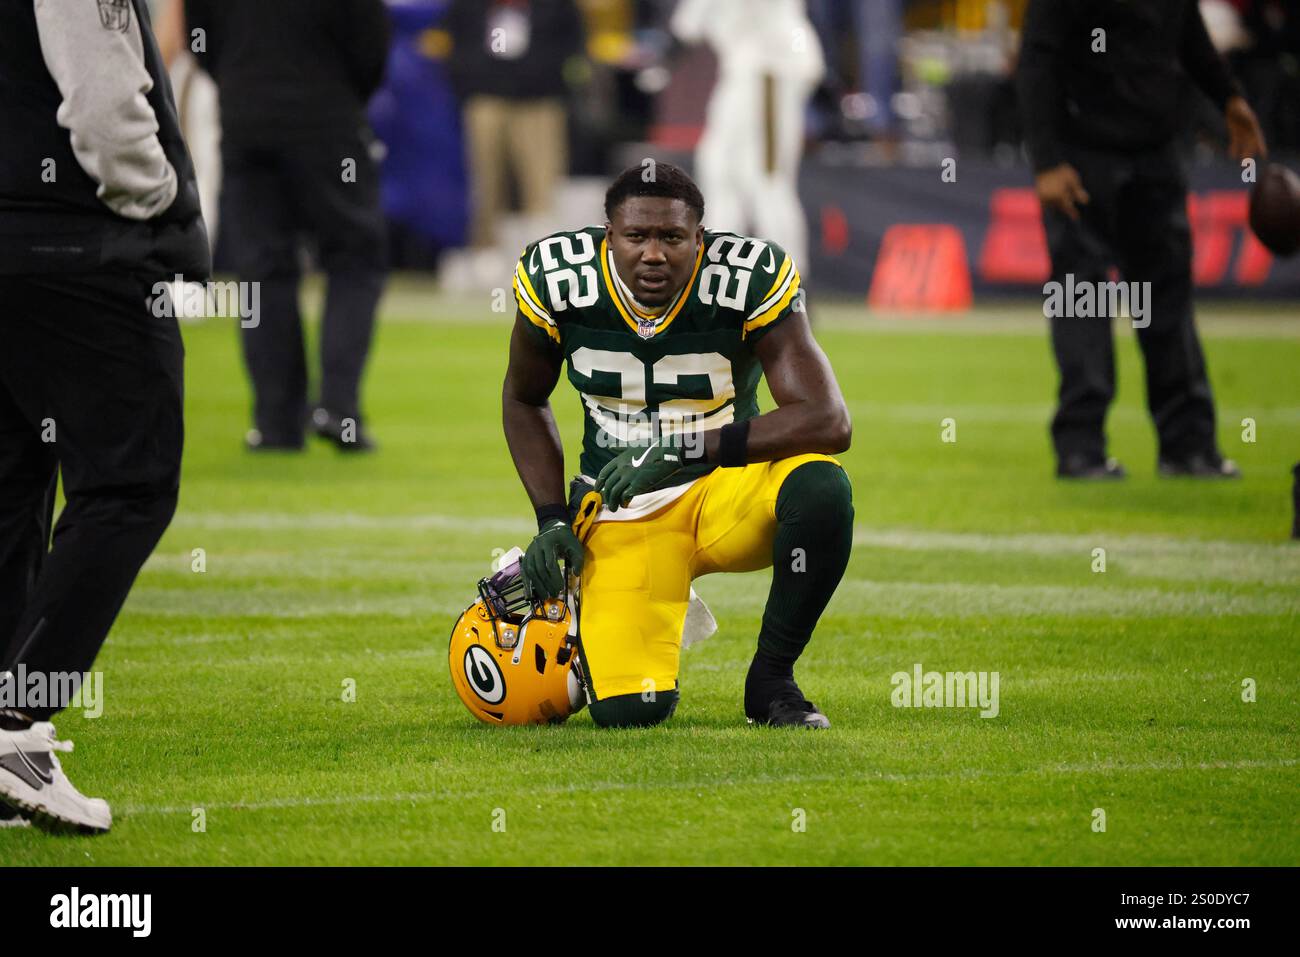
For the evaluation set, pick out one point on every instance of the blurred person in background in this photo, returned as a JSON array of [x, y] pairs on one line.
[[874, 29], [507, 66], [196, 105], [1102, 128], [1270, 67], [298, 158], [747, 162]]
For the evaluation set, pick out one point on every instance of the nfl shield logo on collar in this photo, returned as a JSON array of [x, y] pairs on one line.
[[645, 328]]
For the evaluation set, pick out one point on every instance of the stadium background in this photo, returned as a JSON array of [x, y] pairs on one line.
[[869, 166], [872, 156], [228, 735]]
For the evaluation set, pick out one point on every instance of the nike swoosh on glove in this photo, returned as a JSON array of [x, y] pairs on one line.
[[638, 470], [541, 564]]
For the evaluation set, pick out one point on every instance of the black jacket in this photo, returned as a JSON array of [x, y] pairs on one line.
[[54, 216], [1125, 98], [291, 69], [555, 33]]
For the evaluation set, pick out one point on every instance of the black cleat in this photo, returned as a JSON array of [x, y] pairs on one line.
[[793, 711], [1213, 466], [346, 432], [256, 441], [772, 697], [1089, 469]]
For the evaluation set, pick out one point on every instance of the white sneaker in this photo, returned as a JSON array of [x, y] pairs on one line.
[[32, 780]]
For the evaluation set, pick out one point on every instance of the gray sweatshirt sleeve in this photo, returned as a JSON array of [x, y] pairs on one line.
[[99, 68]]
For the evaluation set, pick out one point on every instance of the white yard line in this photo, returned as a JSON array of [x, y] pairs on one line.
[[1040, 543], [416, 298], [312, 521], [1036, 413], [1151, 556], [1134, 557], [878, 598], [597, 787], [1051, 543], [287, 604], [1131, 558]]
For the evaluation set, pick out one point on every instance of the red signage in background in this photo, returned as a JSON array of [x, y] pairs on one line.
[[835, 230], [921, 268], [1015, 248], [1218, 218]]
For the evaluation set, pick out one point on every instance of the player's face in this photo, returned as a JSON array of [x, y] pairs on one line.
[[654, 240]]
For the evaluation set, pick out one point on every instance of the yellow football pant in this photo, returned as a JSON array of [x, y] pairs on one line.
[[636, 579]]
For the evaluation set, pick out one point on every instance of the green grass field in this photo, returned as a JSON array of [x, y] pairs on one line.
[[1119, 690]]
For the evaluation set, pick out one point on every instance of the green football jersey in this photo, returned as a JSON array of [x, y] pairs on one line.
[[689, 368]]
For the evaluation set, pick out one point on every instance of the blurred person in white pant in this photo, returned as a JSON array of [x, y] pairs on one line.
[[747, 162], [196, 101]]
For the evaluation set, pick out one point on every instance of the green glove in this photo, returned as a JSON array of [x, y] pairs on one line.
[[638, 470], [541, 565]]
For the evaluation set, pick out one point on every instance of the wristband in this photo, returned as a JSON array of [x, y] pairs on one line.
[[733, 444], [546, 513]]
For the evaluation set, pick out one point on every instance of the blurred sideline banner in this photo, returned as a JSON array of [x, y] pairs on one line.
[[993, 213]]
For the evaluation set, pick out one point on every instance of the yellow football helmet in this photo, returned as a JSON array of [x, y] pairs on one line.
[[514, 662]]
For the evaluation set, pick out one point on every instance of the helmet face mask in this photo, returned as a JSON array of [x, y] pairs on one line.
[[506, 597], [513, 661]]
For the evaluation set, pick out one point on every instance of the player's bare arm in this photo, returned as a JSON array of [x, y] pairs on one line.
[[811, 415], [531, 433], [538, 454]]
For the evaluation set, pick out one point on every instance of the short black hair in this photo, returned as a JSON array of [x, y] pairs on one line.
[[652, 178]]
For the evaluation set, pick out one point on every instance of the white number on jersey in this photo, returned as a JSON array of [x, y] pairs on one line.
[[622, 416], [731, 280], [570, 287]]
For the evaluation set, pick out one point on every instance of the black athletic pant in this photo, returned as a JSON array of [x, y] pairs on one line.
[[1137, 220], [90, 387], [274, 193]]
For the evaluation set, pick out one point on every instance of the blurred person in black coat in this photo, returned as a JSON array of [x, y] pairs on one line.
[[1099, 83], [99, 210], [507, 67], [1270, 68], [298, 157]]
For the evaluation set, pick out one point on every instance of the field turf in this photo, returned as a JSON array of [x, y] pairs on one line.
[[1120, 690]]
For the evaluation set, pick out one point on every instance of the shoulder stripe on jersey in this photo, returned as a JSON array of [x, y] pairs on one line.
[[776, 309], [524, 286], [550, 330], [785, 275], [527, 300], [786, 265]]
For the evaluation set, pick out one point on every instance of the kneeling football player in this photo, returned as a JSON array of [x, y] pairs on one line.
[[667, 328]]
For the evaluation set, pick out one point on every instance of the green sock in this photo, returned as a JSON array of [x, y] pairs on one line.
[[814, 535], [633, 711]]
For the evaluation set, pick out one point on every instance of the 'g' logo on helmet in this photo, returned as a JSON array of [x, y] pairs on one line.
[[484, 675]]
